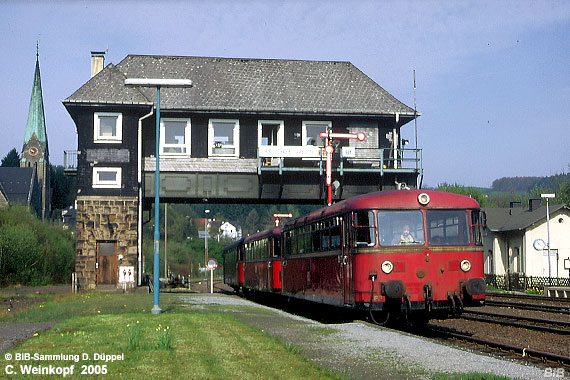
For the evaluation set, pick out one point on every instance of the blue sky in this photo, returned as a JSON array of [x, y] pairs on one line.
[[493, 77]]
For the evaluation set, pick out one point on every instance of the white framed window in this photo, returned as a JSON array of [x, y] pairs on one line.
[[311, 131], [106, 178], [270, 133], [108, 127], [175, 136], [223, 137]]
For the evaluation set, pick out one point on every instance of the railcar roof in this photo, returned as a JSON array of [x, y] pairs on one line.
[[276, 231], [234, 244], [398, 199]]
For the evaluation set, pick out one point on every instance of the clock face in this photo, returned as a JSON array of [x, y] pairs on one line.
[[539, 244], [33, 151]]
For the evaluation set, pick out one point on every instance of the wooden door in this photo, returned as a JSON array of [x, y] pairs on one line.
[[107, 263]]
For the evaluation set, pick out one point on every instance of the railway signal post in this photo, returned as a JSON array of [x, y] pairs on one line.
[[329, 150], [278, 217]]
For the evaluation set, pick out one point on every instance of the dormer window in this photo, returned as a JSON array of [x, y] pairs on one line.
[[175, 136], [108, 127]]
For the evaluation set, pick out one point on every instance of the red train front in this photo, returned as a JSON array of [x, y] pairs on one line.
[[412, 253], [417, 253]]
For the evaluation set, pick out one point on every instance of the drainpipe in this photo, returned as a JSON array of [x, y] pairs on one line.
[[139, 181]]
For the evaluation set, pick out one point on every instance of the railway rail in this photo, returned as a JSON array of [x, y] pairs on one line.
[[529, 306], [539, 324], [523, 352], [529, 297]]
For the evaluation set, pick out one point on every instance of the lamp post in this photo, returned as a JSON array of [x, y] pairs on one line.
[[158, 83], [547, 197], [206, 212]]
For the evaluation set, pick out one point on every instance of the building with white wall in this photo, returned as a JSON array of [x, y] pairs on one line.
[[514, 239]]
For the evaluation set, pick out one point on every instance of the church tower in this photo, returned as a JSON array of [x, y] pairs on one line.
[[35, 152]]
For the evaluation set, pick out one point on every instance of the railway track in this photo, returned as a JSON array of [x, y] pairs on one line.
[[529, 297], [522, 352], [529, 306], [539, 324]]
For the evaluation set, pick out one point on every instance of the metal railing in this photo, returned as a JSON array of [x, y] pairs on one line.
[[70, 160], [353, 159], [521, 282]]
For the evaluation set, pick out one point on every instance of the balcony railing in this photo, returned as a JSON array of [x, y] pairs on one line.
[[70, 162], [352, 159]]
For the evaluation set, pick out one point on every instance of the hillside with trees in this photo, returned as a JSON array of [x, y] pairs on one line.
[[185, 249]]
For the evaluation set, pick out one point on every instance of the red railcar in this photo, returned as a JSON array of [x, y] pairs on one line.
[[262, 261], [412, 252], [233, 264]]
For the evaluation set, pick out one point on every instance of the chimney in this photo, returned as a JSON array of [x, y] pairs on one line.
[[514, 204], [97, 62], [533, 204]]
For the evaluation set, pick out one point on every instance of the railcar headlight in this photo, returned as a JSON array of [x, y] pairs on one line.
[[387, 267], [423, 198], [465, 265]]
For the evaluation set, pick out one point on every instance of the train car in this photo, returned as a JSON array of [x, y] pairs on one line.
[[412, 253], [233, 264], [262, 261]]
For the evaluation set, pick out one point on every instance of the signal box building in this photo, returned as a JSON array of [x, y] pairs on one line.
[[247, 131]]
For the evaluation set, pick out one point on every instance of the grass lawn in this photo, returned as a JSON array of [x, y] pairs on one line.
[[180, 343], [177, 344]]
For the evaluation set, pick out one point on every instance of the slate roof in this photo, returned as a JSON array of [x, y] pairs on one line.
[[17, 184], [244, 85], [517, 218]]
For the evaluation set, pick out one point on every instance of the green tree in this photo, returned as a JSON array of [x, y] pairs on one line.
[[559, 185], [63, 188], [11, 160], [472, 192], [251, 222], [33, 252]]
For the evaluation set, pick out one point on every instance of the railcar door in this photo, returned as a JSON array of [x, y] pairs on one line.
[[346, 262], [274, 264]]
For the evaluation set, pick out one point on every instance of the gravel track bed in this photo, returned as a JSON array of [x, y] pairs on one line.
[[542, 341], [361, 350]]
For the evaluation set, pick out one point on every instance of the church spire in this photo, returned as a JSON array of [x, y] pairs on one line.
[[36, 118]]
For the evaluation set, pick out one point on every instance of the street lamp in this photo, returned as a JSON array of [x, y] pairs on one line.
[[158, 83], [547, 197], [206, 212]]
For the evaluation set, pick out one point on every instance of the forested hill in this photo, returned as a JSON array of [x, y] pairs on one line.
[[526, 184]]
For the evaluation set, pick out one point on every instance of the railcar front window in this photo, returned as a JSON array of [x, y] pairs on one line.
[[401, 228], [364, 229], [447, 227]]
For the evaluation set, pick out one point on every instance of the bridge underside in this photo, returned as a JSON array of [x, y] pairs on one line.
[[270, 188]]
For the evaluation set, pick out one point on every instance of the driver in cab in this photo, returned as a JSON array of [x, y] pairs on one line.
[[405, 238]]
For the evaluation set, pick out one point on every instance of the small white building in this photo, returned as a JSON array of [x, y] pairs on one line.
[[515, 240], [230, 230]]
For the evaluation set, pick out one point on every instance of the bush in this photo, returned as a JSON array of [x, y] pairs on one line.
[[33, 252]]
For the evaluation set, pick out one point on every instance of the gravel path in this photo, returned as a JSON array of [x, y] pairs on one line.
[[13, 333], [363, 351], [12, 300]]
